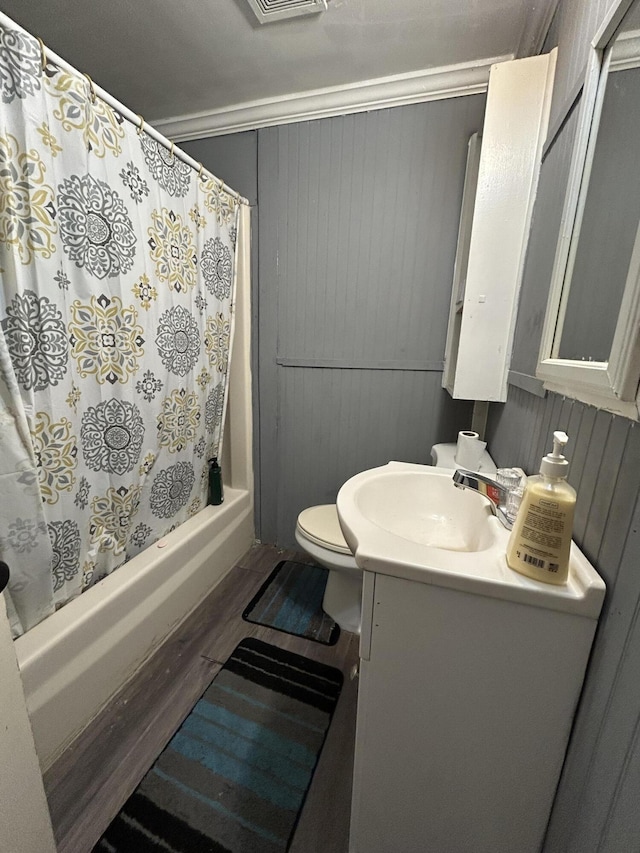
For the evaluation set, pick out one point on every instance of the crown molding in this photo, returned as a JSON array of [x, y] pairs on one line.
[[415, 87]]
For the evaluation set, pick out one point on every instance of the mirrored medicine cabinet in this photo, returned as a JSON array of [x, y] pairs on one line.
[[590, 346]]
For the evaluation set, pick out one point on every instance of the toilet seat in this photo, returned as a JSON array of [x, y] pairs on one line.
[[320, 525]]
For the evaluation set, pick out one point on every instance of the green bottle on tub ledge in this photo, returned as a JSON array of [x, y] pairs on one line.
[[540, 541], [215, 492]]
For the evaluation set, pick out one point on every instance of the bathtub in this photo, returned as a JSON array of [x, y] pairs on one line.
[[76, 660]]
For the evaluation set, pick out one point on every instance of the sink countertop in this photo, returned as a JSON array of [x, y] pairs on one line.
[[388, 514]]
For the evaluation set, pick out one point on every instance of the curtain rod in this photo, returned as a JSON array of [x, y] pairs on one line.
[[117, 105]]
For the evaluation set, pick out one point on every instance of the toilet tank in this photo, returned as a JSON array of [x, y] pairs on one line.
[[444, 456]]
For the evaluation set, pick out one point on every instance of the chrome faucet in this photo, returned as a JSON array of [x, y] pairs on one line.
[[492, 490]]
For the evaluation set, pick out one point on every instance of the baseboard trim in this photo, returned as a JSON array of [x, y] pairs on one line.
[[430, 84]]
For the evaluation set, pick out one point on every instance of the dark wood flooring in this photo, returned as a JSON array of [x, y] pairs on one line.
[[92, 779]]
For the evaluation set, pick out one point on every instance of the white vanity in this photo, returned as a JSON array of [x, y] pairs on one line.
[[469, 672]]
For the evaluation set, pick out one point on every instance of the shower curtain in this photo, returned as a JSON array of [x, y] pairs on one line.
[[117, 262]]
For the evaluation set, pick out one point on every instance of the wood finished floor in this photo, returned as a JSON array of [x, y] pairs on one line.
[[92, 779]]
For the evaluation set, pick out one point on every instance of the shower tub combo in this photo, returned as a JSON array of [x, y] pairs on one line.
[[74, 661]]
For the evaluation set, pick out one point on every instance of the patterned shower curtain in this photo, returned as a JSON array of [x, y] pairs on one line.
[[117, 263]]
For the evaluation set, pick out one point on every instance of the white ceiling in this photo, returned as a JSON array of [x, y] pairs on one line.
[[165, 59]]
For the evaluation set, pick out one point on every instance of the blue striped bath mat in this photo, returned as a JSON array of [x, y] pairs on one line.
[[291, 601], [234, 777]]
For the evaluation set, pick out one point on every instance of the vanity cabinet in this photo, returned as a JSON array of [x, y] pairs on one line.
[[500, 187], [464, 710]]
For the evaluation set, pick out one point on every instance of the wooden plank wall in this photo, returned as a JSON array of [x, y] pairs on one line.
[[596, 807], [234, 159], [577, 23], [545, 227], [358, 222], [606, 243]]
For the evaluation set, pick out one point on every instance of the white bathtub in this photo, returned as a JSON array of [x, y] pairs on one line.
[[74, 661]]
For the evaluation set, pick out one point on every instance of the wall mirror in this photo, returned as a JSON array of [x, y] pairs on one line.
[[591, 340]]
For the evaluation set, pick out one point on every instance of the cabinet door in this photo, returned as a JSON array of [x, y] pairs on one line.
[[514, 132], [464, 712], [391, 767]]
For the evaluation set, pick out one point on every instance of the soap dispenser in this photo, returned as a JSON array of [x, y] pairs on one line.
[[540, 541]]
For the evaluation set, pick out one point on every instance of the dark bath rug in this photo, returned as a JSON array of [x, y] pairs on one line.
[[234, 777], [291, 601]]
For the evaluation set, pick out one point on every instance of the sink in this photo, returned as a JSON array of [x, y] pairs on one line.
[[410, 521], [414, 513], [424, 506]]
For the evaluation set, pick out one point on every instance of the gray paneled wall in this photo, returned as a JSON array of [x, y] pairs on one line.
[[358, 223], [606, 242], [344, 421], [596, 807], [234, 159], [576, 26], [545, 227]]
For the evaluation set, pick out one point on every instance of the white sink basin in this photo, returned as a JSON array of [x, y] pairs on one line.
[[423, 506], [410, 521]]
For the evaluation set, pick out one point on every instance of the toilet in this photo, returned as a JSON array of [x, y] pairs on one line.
[[318, 533]]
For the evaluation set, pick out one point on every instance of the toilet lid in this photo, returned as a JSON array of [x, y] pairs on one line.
[[320, 524]]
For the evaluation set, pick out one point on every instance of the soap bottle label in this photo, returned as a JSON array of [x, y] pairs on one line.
[[541, 539]]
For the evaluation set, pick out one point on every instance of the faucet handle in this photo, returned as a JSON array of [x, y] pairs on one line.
[[511, 479]]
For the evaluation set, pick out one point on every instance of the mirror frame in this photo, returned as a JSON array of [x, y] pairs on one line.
[[611, 385]]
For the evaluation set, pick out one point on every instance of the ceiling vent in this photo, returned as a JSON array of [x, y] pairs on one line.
[[277, 10]]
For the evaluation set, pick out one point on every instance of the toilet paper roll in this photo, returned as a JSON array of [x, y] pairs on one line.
[[469, 450]]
